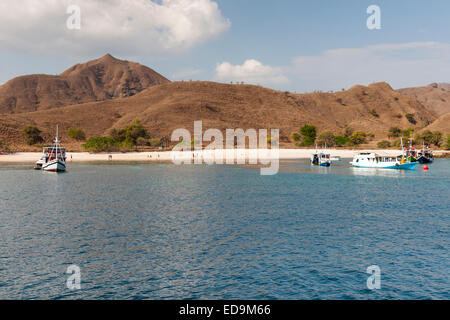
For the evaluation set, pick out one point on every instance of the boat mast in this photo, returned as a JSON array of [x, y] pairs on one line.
[[403, 150], [56, 142]]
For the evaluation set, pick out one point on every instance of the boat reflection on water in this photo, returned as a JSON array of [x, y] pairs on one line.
[[371, 172]]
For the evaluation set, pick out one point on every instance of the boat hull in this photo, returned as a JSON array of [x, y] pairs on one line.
[[424, 160], [54, 166], [402, 166], [325, 164]]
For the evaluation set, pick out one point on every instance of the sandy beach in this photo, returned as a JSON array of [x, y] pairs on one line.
[[283, 154]]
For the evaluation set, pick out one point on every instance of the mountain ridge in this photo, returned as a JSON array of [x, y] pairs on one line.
[[96, 80], [164, 108], [119, 91]]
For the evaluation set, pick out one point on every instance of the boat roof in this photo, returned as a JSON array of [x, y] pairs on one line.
[[373, 154], [53, 147]]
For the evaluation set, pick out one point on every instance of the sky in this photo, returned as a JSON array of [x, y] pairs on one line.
[[292, 45]]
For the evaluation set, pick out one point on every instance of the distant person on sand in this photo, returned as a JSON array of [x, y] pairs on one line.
[[110, 157]]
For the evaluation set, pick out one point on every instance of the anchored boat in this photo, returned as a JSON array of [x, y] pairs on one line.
[[53, 158], [425, 155], [321, 159], [373, 160]]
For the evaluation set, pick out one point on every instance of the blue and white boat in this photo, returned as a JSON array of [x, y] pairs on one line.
[[321, 159], [373, 160]]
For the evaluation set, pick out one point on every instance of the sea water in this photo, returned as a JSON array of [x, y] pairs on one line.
[[161, 231]]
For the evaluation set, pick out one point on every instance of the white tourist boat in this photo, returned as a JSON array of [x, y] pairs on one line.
[[373, 160], [53, 158], [321, 159]]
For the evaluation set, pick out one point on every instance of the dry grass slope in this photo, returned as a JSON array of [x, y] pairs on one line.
[[434, 97], [165, 107]]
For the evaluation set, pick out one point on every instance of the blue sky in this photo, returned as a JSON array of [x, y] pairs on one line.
[[288, 44]]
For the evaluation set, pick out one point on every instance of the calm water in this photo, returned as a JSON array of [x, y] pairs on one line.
[[199, 232]]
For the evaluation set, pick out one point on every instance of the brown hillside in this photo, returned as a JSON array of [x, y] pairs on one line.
[[177, 105], [445, 86], [435, 97], [97, 80], [442, 124]]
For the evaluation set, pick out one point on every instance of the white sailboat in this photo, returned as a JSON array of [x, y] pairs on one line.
[[54, 158]]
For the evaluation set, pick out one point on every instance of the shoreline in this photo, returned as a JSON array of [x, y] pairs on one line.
[[230, 154]]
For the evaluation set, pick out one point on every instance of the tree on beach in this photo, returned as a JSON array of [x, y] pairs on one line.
[[407, 133], [295, 136], [341, 141], [384, 144], [447, 144], [309, 134], [394, 132], [32, 135], [326, 138], [348, 131], [142, 142], [428, 138], [358, 137], [130, 134], [100, 144]]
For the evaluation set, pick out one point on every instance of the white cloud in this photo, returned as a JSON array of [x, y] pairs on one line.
[[252, 71], [401, 64], [124, 26]]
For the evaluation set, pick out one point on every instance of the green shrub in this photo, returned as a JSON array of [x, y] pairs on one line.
[[347, 131], [410, 118], [384, 144], [447, 144], [394, 132], [374, 113], [142, 142], [341, 141], [326, 138], [32, 135], [309, 134], [295, 137], [130, 133], [100, 144], [77, 134], [429, 138], [155, 142], [358, 137], [407, 133], [437, 139]]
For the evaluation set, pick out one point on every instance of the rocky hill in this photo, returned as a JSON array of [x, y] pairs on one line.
[[435, 97], [98, 80], [169, 106]]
